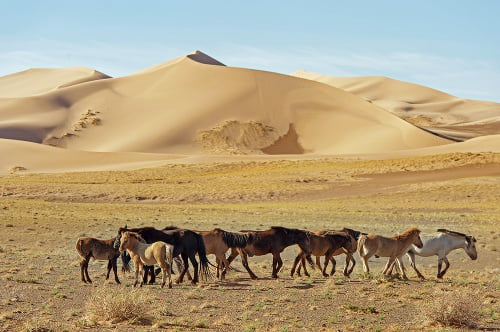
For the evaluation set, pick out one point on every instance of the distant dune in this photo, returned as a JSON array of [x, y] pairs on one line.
[[195, 106], [427, 108]]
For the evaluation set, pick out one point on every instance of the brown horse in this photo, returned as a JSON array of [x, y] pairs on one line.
[[148, 254], [273, 241], [349, 252], [218, 241], [392, 247], [328, 244], [98, 249]]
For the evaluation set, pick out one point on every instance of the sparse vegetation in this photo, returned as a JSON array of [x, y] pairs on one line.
[[117, 305], [454, 308]]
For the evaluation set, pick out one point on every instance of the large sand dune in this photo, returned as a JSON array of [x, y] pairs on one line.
[[196, 106]]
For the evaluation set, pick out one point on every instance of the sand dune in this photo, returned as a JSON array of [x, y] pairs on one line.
[[196, 106], [425, 107], [41, 80]]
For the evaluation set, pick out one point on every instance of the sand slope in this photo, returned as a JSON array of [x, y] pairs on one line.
[[196, 106], [425, 107], [166, 108]]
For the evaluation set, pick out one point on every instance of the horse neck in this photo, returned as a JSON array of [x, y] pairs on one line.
[[456, 242], [296, 239]]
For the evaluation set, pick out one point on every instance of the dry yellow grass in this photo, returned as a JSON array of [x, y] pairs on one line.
[[42, 215]]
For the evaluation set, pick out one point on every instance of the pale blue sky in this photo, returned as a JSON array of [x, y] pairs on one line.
[[453, 46]]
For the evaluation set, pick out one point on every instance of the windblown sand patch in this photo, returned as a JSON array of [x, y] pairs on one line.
[[234, 137]]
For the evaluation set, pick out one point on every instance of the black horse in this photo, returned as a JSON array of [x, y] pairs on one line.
[[186, 243]]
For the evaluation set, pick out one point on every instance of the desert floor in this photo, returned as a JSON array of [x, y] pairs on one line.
[[42, 215]]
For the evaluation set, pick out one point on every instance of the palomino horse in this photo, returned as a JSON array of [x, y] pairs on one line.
[[273, 241], [186, 243], [98, 249], [392, 247], [148, 254], [218, 242], [349, 252], [441, 244], [327, 244]]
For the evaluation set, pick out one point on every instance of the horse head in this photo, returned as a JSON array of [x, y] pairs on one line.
[[417, 241], [116, 244], [470, 249]]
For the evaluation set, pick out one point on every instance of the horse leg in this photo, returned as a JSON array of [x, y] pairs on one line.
[[194, 262], [353, 261], [447, 263], [411, 257], [277, 264], [401, 267], [86, 269], [232, 256], [334, 265], [217, 263], [82, 269], [327, 259], [244, 261], [115, 269], [110, 266], [225, 266], [169, 273], [185, 268], [295, 262], [388, 266]]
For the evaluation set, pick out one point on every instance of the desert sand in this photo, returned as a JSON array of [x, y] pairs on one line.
[[194, 107]]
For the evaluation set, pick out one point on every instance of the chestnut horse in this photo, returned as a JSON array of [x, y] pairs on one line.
[[186, 243], [98, 249], [349, 252], [392, 247], [148, 254], [273, 241]]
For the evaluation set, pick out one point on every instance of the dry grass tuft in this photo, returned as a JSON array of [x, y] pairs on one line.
[[458, 309], [117, 305]]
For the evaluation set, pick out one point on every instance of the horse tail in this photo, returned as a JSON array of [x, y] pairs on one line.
[[204, 271], [236, 240], [125, 261], [79, 246], [168, 254], [361, 243]]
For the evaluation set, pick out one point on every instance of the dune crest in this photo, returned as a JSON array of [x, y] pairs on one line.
[[37, 81], [201, 57]]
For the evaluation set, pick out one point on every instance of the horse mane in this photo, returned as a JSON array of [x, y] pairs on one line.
[[468, 238], [236, 240], [137, 236], [407, 233], [446, 231]]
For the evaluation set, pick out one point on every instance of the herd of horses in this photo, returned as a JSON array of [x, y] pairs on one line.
[[147, 246]]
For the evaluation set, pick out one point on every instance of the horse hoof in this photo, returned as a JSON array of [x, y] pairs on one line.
[[170, 285]]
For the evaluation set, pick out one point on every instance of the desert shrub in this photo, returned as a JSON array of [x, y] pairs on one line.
[[453, 308], [116, 305]]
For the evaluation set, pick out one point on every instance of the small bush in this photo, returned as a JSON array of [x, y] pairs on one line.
[[454, 308], [116, 305]]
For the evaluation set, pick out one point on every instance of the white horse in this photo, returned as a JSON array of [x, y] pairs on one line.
[[441, 244]]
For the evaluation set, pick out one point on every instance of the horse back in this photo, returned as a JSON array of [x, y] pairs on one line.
[[98, 249]]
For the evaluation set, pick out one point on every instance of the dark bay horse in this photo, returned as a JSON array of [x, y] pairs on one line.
[[98, 249], [273, 241], [318, 250], [218, 241], [186, 243]]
